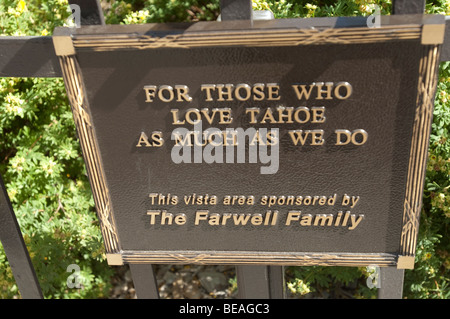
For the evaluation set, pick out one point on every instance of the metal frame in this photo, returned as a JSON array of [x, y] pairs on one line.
[[431, 35], [35, 57]]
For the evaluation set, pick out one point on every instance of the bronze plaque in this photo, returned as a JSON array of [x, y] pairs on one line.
[[289, 142]]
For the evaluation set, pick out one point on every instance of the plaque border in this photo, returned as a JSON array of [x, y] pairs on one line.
[[67, 42]]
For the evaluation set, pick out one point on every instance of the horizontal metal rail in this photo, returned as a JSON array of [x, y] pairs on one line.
[[34, 56]]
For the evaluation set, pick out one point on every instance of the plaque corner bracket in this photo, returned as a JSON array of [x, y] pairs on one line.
[[114, 259], [405, 262], [433, 34], [62, 41]]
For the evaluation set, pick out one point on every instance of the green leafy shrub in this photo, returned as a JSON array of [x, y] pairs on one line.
[[41, 163], [156, 11]]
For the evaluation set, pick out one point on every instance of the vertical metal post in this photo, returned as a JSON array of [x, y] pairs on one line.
[[260, 282], [144, 281], [255, 282], [391, 278], [90, 12], [276, 282], [236, 10], [15, 249], [391, 283]]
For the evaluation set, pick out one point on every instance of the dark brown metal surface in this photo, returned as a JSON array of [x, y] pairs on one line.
[[390, 283], [120, 114], [116, 69], [28, 57], [236, 10], [408, 6], [144, 281]]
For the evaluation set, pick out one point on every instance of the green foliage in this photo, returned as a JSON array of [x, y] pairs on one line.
[[41, 163], [158, 11], [322, 8], [331, 282], [438, 7], [38, 17]]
